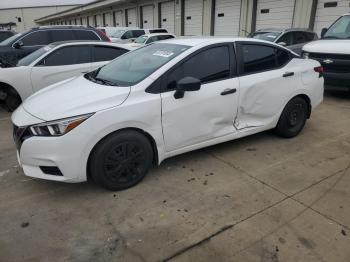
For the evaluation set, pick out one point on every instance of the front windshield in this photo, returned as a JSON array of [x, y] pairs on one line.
[[26, 61], [118, 34], [141, 39], [133, 67], [267, 36], [340, 29], [10, 39]]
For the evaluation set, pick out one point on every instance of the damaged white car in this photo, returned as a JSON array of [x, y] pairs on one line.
[[159, 101]]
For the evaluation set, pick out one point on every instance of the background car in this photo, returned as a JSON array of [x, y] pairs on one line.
[[333, 52], [294, 38], [4, 34], [51, 64], [149, 38], [21, 45], [129, 35], [162, 100], [109, 30]]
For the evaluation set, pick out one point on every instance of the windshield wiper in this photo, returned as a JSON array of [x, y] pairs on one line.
[[105, 82], [92, 77]]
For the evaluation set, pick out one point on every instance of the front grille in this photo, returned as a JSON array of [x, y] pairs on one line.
[[20, 134], [339, 64]]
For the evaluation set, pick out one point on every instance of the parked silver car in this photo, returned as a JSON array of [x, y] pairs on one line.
[[293, 38]]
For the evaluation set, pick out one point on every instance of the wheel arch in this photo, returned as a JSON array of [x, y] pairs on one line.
[[139, 130], [308, 100], [6, 86]]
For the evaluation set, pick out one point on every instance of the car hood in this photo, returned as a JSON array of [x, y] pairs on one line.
[[328, 47], [72, 97]]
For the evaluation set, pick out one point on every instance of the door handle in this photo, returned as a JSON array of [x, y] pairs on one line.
[[228, 91], [288, 74]]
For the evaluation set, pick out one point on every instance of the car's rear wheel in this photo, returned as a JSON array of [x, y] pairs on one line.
[[121, 160], [12, 100], [293, 118]]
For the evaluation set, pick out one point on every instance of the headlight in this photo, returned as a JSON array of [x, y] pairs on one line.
[[305, 55], [58, 127]]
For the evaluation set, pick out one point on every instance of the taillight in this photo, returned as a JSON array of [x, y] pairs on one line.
[[103, 33], [319, 70]]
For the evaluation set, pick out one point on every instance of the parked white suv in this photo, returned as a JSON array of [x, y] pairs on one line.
[[130, 34], [333, 52]]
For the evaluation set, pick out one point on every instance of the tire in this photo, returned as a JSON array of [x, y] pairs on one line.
[[121, 160], [293, 118], [12, 101]]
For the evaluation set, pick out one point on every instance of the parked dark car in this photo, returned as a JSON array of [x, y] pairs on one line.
[[294, 38], [18, 46], [4, 34]]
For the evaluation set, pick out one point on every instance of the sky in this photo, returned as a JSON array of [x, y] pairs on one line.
[[29, 3]]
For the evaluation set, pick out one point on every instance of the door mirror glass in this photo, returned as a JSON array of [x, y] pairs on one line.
[[18, 44], [187, 84], [282, 43], [323, 32]]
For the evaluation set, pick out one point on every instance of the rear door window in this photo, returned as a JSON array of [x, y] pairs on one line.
[[62, 35], [104, 53], [38, 38], [300, 38], [287, 38], [69, 55], [86, 35]]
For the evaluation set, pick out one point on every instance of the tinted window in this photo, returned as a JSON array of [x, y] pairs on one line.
[[257, 58], [158, 31], [62, 35], [37, 38], [286, 38], [4, 35], [68, 56], [86, 35], [300, 38], [103, 53], [137, 33], [152, 39], [209, 65], [267, 36], [283, 57], [310, 36]]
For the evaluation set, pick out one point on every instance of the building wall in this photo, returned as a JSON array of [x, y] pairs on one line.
[[27, 15], [303, 13]]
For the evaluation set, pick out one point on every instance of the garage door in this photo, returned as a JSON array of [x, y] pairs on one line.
[[147, 16], [131, 17], [272, 13], [329, 11], [227, 17], [167, 16], [107, 19], [118, 18], [99, 20], [193, 19]]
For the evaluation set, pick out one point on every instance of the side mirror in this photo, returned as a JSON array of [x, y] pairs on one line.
[[18, 45], [186, 84], [282, 43], [323, 32]]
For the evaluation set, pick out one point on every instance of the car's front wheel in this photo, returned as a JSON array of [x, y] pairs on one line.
[[121, 160], [293, 118]]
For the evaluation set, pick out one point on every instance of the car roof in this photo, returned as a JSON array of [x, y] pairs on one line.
[[63, 27], [194, 41], [77, 42], [156, 34]]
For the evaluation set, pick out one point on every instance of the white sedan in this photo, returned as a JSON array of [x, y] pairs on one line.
[[159, 101], [52, 64]]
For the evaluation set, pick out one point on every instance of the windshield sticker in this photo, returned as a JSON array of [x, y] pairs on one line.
[[271, 36], [165, 54]]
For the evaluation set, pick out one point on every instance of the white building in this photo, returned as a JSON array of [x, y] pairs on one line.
[[19, 15], [205, 17]]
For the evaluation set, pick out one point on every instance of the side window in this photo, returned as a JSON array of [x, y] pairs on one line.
[[258, 58], [103, 53], [163, 37], [197, 66], [152, 39], [137, 33], [286, 38], [86, 35], [283, 57], [68, 56], [300, 38], [37, 38], [127, 35], [62, 35], [310, 36]]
